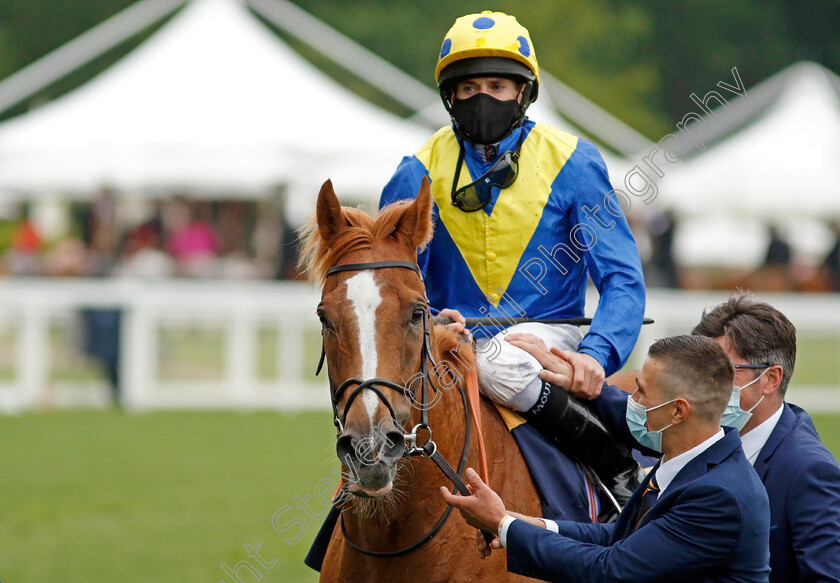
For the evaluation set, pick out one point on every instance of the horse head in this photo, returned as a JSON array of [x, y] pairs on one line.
[[375, 326]]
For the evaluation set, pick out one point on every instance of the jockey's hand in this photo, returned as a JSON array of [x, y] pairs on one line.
[[589, 374], [458, 321], [556, 369], [483, 509]]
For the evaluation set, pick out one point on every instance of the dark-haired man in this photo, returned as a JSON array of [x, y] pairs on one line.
[[702, 513], [801, 476]]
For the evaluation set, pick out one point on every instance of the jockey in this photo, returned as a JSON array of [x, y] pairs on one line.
[[524, 216]]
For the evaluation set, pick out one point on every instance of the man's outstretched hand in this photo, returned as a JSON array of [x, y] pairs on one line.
[[484, 549], [483, 509]]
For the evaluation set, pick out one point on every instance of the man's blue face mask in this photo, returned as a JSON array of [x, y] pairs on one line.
[[636, 416], [734, 416]]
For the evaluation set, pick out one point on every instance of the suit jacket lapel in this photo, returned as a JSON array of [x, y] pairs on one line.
[[785, 425]]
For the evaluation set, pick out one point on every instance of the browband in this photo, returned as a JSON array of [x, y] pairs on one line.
[[375, 265]]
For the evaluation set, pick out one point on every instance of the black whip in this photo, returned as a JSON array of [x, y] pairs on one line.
[[506, 321]]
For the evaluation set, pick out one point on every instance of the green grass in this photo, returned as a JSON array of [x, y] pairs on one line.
[[817, 361], [103, 496], [828, 426]]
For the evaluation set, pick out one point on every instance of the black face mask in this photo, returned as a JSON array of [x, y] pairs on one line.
[[484, 119]]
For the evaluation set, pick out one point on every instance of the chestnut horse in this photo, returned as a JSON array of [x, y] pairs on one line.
[[380, 344]]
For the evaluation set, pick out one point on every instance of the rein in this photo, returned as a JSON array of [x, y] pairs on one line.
[[427, 449]]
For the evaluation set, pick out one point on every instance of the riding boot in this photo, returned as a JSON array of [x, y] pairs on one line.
[[582, 436]]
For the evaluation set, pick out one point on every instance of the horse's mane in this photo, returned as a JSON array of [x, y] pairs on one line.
[[450, 346], [363, 232]]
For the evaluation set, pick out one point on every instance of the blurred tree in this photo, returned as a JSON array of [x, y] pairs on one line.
[[640, 61], [813, 26], [601, 48], [35, 27], [699, 41], [29, 29], [597, 47]]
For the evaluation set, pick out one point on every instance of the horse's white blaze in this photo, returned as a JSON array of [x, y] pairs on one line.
[[364, 293]]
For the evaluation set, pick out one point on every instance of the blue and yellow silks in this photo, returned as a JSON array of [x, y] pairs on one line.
[[531, 250]]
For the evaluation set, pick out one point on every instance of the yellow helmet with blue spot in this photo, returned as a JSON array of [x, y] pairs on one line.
[[487, 44]]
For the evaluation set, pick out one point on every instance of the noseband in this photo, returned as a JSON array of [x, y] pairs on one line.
[[427, 449]]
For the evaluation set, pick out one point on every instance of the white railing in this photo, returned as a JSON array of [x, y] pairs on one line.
[[239, 312]]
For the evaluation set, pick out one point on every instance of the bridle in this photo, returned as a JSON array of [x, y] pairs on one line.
[[427, 449]]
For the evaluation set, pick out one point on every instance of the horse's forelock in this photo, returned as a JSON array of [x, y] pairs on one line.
[[363, 232]]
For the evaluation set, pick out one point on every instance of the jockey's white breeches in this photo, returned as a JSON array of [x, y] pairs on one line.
[[509, 375]]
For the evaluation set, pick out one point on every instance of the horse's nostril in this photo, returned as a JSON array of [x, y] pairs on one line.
[[345, 447], [394, 444]]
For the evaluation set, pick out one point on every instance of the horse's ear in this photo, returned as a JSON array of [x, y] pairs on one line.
[[330, 216], [415, 225]]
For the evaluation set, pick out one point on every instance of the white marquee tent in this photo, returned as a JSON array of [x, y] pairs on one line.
[[781, 168], [215, 103], [213, 100], [784, 163]]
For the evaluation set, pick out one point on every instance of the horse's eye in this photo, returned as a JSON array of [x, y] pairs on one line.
[[417, 315], [325, 325]]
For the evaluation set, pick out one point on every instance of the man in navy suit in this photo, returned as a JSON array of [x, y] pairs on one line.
[[701, 514], [801, 476]]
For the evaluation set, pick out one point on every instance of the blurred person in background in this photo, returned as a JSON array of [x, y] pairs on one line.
[[191, 238], [68, 258], [143, 255], [831, 264], [102, 324], [778, 249], [23, 257], [775, 273], [662, 270], [235, 226]]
